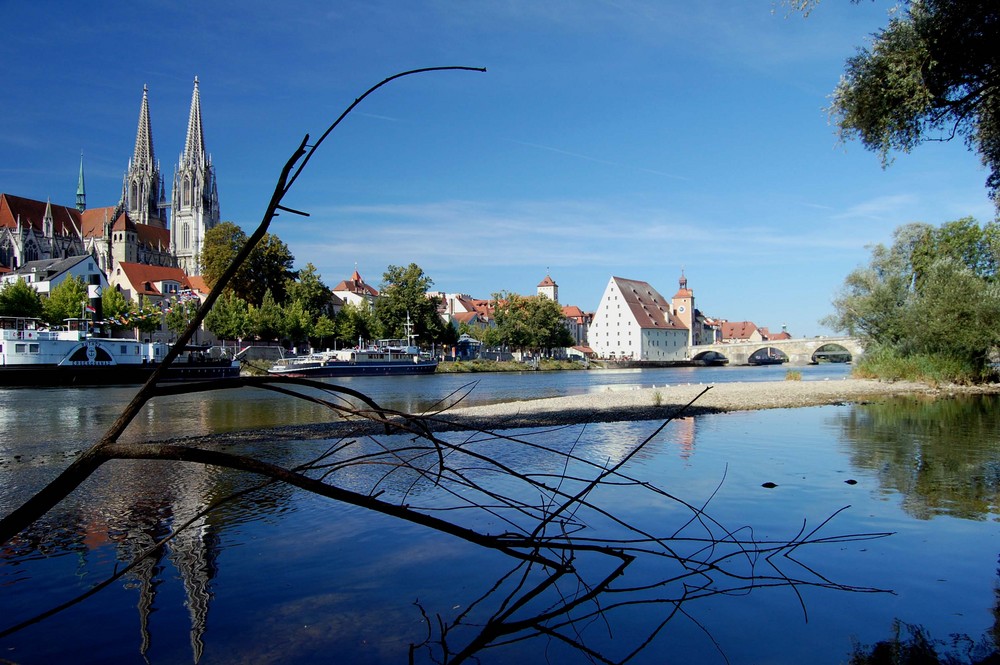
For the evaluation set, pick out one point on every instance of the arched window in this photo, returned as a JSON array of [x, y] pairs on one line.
[[133, 197], [187, 193], [186, 235]]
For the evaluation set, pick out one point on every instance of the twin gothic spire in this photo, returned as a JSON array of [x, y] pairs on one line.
[[194, 201]]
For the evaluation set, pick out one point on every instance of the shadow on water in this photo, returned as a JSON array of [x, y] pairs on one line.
[[941, 455]]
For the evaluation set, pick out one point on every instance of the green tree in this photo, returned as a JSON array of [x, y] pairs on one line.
[[229, 318], [222, 242], [534, 322], [308, 288], [180, 314], [323, 330], [297, 322], [354, 323], [117, 310], [547, 325], [403, 296], [18, 298], [147, 318], [268, 268], [65, 301], [932, 74], [267, 321], [934, 293]]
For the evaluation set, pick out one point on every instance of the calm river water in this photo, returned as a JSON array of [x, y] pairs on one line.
[[280, 575]]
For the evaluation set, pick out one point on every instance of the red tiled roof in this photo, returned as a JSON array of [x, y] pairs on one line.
[[649, 308], [93, 221], [65, 221], [355, 285], [144, 278], [738, 329], [547, 282], [198, 283]]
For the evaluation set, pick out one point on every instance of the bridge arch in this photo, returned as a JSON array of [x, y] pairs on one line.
[[832, 352], [800, 351]]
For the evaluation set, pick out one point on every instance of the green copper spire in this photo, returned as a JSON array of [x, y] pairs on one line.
[[81, 193]]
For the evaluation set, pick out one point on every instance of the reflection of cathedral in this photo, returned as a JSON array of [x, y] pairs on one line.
[[139, 523], [136, 230]]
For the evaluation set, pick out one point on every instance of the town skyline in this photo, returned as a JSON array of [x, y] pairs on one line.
[[633, 140]]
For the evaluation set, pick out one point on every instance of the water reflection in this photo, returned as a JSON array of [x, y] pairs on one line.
[[313, 578], [942, 456]]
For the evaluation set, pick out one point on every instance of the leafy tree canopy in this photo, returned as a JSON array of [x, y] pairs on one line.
[[116, 308], [932, 74], [353, 324], [229, 318], [309, 290], [403, 293], [18, 298], [934, 292], [533, 322], [65, 301], [268, 267]]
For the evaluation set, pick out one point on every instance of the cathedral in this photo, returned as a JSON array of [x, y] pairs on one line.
[[136, 230]]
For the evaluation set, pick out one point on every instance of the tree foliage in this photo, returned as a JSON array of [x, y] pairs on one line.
[[534, 322], [268, 268], [932, 74], [230, 318], [934, 292], [116, 308], [267, 321], [403, 296], [18, 298], [309, 290], [65, 301], [354, 323]]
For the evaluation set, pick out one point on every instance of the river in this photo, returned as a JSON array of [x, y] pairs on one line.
[[284, 576]]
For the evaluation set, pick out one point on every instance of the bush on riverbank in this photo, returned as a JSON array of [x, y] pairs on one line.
[[891, 365], [461, 366]]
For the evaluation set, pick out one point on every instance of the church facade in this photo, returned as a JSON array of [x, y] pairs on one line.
[[135, 230]]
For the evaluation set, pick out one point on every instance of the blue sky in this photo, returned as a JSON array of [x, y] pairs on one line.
[[626, 138]]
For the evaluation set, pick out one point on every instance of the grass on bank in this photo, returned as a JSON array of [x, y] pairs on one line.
[[890, 365]]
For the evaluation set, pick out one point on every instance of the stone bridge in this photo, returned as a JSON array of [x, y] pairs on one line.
[[803, 351]]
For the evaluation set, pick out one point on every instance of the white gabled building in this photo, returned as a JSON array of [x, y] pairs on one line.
[[634, 322]]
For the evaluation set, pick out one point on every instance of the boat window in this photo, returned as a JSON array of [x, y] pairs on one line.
[[124, 350], [20, 348], [33, 348]]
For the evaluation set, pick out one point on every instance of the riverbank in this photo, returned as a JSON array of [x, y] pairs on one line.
[[627, 404], [662, 402]]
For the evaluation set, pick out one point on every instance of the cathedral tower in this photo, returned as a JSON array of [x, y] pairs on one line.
[[195, 197], [142, 190]]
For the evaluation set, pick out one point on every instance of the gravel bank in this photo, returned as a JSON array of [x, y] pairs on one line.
[[656, 403], [661, 402]]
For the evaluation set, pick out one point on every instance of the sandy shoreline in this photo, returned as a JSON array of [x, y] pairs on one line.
[[612, 405]]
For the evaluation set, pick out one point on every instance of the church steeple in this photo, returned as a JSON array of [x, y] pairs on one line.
[[143, 157], [195, 201], [194, 145], [81, 192], [142, 189]]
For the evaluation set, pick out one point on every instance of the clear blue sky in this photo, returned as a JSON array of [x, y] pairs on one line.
[[627, 138]]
